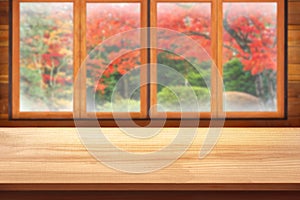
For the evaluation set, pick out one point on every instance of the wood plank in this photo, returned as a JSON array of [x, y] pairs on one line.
[[260, 155], [295, 77], [3, 43], [294, 38], [293, 27], [249, 155], [4, 27], [294, 72], [294, 19], [4, 79], [293, 55], [3, 35], [294, 100], [3, 55], [150, 195], [4, 8], [3, 116], [294, 89], [4, 69], [293, 69], [150, 187], [3, 99], [294, 104], [294, 108], [294, 12], [291, 121], [294, 112]]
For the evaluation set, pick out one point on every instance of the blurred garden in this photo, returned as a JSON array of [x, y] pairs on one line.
[[46, 58]]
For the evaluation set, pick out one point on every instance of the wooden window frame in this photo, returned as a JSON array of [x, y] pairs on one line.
[[281, 63], [153, 72], [15, 76], [148, 13], [143, 74]]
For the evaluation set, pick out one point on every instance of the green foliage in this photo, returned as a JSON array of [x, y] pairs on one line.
[[122, 88], [46, 57], [31, 83], [236, 79], [171, 98], [110, 83], [199, 79], [120, 105], [196, 74], [46, 98]]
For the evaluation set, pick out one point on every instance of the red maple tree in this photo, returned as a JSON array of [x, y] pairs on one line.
[[249, 34]]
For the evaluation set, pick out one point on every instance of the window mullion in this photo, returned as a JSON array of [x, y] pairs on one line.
[[219, 63], [77, 59]]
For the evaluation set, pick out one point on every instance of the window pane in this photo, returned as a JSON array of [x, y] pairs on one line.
[[193, 75], [46, 56], [111, 78], [250, 56]]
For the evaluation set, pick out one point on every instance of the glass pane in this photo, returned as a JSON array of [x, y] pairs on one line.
[[250, 56], [46, 56], [111, 79], [189, 75]]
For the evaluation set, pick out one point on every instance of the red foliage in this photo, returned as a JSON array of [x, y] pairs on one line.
[[256, 26], [186, 19], [47, 78], [52, 59], [100, 87], [254, 43], [107, 19]]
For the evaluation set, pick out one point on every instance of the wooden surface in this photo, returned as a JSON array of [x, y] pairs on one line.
[[150, 195], [253, 159], [244, 159]]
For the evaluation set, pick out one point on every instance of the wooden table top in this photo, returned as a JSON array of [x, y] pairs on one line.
[[243, 159]]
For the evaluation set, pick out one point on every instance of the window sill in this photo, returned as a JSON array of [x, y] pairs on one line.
[[243, 159]]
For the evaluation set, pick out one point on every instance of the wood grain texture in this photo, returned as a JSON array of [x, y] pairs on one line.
[[150, 195], [244, 159], [3, 99], [3, 38], [4, 69], [294, 72], [294, 12], [294, 69], [3, 12], [4, 55], [241, 156], [293, 55], [294, 37]]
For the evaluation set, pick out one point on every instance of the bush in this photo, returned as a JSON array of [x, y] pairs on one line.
[[167, 97], [236, 79], [120, 105], [197, 74]]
